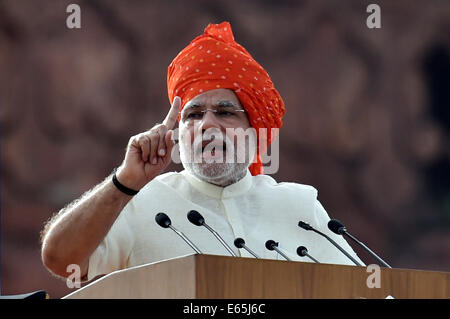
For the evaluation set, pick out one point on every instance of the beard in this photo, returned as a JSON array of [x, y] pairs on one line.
[[221, 174], [220, 171]]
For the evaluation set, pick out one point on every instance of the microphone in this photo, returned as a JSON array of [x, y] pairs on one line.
[[309, 227], [240, 243], [197, 219], [272, 245], [338, 228], [164, 221], [302, 252]]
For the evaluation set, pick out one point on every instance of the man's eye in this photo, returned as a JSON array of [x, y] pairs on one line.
[[194, 115], [225, 113]]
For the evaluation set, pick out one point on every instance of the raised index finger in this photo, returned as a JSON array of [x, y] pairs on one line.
[[171, 117]]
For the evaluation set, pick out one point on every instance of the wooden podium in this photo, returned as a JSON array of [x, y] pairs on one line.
[[217, 277]]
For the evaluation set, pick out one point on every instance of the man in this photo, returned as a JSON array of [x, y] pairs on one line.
[[219, 93]]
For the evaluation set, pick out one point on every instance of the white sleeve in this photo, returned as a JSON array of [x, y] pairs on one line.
[[113, 252], [328, 252]]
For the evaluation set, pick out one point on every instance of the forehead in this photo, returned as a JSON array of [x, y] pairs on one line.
[[214, 96]]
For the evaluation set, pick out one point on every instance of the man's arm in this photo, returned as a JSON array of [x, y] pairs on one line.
[[75, 232]]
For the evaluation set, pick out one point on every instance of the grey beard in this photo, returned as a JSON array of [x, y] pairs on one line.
[[220, 174]]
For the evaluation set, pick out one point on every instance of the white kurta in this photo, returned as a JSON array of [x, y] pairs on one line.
[[256, 208]]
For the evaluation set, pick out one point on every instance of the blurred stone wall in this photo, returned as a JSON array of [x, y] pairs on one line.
[[367, 122]]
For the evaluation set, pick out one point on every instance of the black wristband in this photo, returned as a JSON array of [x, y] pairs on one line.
[[123, 188]]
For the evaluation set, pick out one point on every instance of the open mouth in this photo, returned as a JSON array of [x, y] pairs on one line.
[[212, 149], [210, 146]]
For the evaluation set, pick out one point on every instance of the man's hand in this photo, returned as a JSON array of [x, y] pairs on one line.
[[149, 153], [80, 227]]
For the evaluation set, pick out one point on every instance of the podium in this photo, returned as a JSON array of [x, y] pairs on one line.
[[217, 277]]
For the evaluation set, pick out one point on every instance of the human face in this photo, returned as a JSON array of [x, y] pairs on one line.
[[208, 134]]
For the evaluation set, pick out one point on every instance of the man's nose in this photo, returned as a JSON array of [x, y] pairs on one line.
[[210, 120]]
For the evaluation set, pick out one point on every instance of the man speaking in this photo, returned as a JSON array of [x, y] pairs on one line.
[[228, 112]]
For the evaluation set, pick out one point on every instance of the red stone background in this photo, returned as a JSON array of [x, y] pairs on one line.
[[367, 122]]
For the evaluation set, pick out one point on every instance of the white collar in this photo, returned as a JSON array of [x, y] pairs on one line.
[[238, 188]]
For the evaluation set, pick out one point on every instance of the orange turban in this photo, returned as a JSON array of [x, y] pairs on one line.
[[214, 60]]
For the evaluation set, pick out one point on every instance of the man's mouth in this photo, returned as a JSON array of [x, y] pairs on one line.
[[213, 147]]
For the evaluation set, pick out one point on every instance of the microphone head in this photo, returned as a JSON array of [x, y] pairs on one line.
[[195, 218], [270, 244], [336, 227], [239, 242], [304, 225], [163, 220], [302, 251]]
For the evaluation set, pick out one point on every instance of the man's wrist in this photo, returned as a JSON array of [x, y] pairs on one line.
[[123, 184]]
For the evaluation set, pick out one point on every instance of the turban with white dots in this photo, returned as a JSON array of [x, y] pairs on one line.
[[214, 60]]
